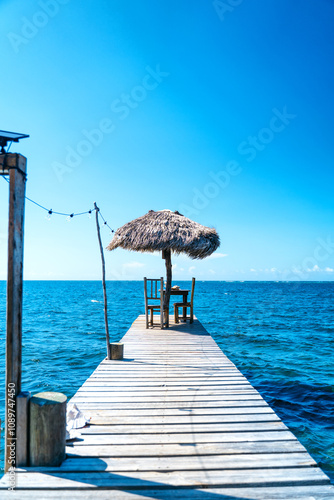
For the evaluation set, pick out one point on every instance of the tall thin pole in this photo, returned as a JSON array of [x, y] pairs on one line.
[[168, 263], [103, 280], [17, 182]]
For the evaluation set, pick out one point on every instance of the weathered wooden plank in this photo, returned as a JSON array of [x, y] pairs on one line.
[[165, 391], [177, 405], [177, 413], [199, 352], [166, 370], [189, 419], [196, 462], [310, 492], [138, 340], [152, 349], [163, 384], [165, 363], [192, 427], [225, 493], [199, 375], [144, 377], [185, 438], [135, 359], [208, 478], [162, 390], [157, 367], [161, 345], [172, 337], [166, 398], [134, 418], [168, 356], [189, 449]]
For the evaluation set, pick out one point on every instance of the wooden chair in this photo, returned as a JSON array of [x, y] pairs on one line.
[[153, 291], [190, 304]]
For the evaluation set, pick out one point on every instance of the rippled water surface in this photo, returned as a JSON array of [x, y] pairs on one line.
[[280, 335]]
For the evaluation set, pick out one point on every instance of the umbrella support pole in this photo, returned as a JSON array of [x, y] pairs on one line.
[[168, 263]]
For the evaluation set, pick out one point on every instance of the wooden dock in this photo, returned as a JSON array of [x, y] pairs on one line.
[[175, 419]]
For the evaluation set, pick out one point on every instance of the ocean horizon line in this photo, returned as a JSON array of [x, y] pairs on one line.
[[176, 279]]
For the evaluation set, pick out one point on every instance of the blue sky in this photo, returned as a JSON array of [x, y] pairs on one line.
[[221, 110]]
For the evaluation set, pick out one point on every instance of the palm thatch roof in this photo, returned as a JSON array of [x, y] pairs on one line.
[[166, 230]]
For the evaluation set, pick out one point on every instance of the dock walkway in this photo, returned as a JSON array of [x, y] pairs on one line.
[[176, 420]]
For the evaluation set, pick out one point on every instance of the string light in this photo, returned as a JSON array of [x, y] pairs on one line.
[[48, 216], [69, 216], [105, 222]]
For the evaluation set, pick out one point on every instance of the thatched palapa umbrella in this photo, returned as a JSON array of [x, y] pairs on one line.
[[166, 231]]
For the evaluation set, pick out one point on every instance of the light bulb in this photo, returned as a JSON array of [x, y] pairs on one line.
[[48, 216]]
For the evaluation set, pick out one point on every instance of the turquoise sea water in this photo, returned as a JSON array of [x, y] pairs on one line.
[[280, 335]]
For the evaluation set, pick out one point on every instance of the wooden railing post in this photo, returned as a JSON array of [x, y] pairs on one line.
[[117, 350], [17, 181], [22, 428], [47, 429]]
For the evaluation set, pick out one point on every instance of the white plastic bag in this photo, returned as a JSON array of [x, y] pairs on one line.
[[75, 419]]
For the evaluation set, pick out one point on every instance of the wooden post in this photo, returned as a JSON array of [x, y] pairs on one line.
[[168, 263], [47, 429], [22, 428], [117, 350], [103, 280], [146, 302], [161, 303], [17, 181]]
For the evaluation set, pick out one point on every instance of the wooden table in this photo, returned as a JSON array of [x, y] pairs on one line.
[[184, 294]]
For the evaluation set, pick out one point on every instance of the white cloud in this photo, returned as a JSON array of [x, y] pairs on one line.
[[133, 265], [177, 270], [217, 255], [211, 271], [329, 270], [314, 269], [191, 268], [296, 270], [253, 270]]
